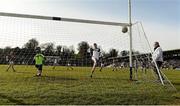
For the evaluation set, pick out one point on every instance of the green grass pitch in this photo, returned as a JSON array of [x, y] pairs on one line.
[[73, 87]]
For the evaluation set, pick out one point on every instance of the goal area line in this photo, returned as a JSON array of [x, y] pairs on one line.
[[63, 19]]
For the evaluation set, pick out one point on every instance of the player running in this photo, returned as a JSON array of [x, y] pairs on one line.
[[69, 66], [115, 65], [39, 60], [144, 66], [10, 59], [96, 54], [55, 63]]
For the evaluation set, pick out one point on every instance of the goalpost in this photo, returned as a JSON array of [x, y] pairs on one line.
[[130, 38], [130, 26]]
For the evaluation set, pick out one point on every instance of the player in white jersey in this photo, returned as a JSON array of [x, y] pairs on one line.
[[55, 63], [69, 66], [10, 59], [157, 57], [95, 58]]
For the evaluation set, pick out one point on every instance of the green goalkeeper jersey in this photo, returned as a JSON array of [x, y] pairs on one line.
[[39, 58]]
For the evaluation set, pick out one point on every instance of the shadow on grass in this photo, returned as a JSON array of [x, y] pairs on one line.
[[57, 78], [23, 72], [12, 100], [113, 78], [176, 83]]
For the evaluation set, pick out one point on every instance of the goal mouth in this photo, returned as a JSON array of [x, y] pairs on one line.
[[67, 33]]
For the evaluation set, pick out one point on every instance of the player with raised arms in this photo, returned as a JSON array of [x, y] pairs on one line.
[[96, 54]]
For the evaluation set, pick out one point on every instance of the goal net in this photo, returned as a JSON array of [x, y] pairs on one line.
[[142, 59], [66, 47]]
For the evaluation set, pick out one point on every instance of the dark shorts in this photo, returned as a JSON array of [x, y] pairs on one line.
[[39, 67], [159, 63]]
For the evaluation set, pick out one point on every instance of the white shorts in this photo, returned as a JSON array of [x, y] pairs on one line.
[[95, 60], [102, 65], [11, 62], [55, 64]]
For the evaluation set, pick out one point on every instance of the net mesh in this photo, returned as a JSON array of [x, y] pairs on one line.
[[60, 43]]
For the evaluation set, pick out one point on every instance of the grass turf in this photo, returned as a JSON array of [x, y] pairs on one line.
[[63, 86]]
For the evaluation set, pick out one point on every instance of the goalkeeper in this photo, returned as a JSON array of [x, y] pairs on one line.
[[39, 60]]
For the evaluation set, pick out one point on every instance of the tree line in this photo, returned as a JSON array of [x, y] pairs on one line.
[[25, 54]]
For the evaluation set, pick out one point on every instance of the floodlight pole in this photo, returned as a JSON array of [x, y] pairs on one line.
[[130, 38]]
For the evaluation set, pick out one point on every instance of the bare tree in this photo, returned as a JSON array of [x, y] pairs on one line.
[[32, 44]]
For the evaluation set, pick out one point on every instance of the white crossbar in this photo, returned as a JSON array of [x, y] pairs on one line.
[[62, 19]]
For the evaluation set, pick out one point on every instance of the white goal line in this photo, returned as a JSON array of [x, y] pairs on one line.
[[63, 19]]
